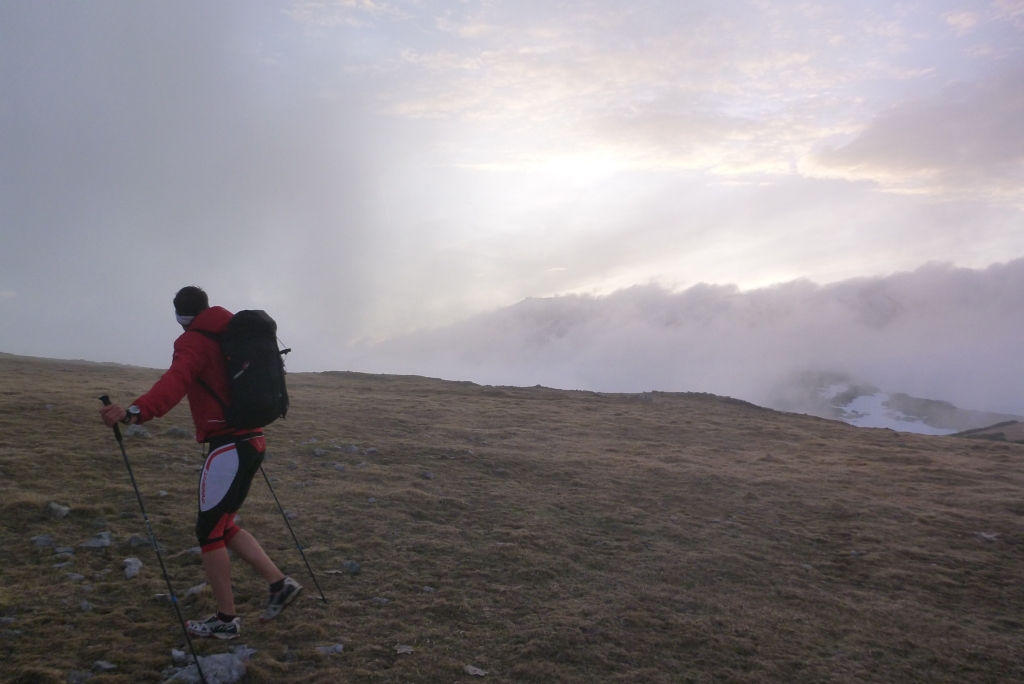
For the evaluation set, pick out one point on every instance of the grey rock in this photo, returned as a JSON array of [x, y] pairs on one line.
[[50, 407], [290, 515], [175, 431], [197, 468], [371, 450], [131, 567], [427, 475], [100, 541], [62, 565], [292, 465], [103, 666], [331, 650], [350, 449], [403, 649], [102, 573], [86, 606], [351, 567], [79, 676], [85, 587], [319, 453], [179, 657], [364, 464], [195, 550], [242, 651], [99, 522], [339, 467], [75, 577], [429, 590], [42, 541], [138, 540], [223, 668], [371, 500], [11, 633], [56, 511], [473, 670], [64, 549], [500, 471], [380, 601], [161, 493], [136, 431], [8, 620], [196, 590], [63, 556]]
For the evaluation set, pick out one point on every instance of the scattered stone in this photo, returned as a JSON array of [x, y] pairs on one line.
[[330, 650], [50, 407], [131, 567], [175, 431], [99, 522], [351, 567], [62, 565], [79, 676], [292, 465], [371, 450], [223, 668], [161, 493], [102, 573], [197, 468], [75, 577], [85, 587], [429, 590], [136, 431], [56, 511], [196, 550], [86, 606], [371, 500], [138, 540], [178, 657], [7, 620], [42, 541], [339, 467], [103, 666], [196, 590], [987, 536], [11, 633], [100, 541], [65, 549], [806, 566], [475, 671], [500, 471], [290, 515], [427, 475], [403, 649], [319, 453], [350, 449], [380, 601], [242, 651]]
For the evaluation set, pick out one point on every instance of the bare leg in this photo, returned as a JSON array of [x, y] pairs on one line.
[[217, 567], [249, 550]]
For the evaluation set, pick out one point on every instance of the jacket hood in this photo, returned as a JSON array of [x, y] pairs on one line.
[[214, 320]]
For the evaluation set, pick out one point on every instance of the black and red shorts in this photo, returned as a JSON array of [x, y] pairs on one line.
[[223, 486]]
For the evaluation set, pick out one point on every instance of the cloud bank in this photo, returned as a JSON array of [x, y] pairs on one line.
[[939, 332]]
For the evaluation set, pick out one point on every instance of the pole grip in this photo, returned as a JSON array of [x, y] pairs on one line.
[[117, 429]]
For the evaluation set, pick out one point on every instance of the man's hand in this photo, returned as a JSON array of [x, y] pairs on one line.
[[112, 415]]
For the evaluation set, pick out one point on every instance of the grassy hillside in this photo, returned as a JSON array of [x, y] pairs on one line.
[[570, 537]]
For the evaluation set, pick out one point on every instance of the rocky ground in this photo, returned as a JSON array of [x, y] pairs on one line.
[[468, 533]]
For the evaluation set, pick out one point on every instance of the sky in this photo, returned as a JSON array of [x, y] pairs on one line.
[[381, 175]]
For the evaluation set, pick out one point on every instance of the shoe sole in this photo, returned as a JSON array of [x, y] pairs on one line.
[[213, 635], [264, 619]]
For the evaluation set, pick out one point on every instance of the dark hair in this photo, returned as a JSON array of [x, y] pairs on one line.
[[190, 301]]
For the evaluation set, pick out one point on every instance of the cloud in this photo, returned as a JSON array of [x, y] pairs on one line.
[[938, 332], [968, 138]]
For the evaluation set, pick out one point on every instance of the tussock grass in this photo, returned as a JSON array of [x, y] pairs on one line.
[[570, 537]]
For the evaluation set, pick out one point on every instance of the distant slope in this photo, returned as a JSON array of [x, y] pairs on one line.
[[1008, 431], [841, 397]]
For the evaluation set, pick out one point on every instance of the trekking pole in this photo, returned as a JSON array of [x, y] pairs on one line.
[[152, 538], [297, 544]]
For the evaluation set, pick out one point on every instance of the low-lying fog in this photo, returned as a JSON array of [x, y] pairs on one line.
[[939, 332]]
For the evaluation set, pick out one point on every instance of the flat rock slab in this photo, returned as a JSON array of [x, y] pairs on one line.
[[223, 668], [100, 541]]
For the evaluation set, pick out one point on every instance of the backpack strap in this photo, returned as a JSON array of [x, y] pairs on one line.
[[202, 383]]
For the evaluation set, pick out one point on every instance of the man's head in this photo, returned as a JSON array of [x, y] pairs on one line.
[[188, 303]]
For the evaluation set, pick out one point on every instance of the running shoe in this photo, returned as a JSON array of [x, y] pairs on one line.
[[279, 600], [215, 628]]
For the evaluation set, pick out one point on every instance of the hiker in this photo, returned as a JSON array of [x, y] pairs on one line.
[[198, 372]]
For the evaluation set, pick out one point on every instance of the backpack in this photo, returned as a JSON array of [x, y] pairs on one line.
[[255, 370]]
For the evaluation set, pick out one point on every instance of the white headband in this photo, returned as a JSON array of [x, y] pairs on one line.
[[184, 320]]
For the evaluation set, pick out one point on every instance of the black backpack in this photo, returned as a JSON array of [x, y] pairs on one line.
[[255, 371]]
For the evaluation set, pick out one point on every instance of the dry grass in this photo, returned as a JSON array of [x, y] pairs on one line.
[[571, 537]]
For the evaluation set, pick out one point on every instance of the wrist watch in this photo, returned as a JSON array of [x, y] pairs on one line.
[[132, 410]]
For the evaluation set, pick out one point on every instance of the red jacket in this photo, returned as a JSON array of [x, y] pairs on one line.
[[195, 356]]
